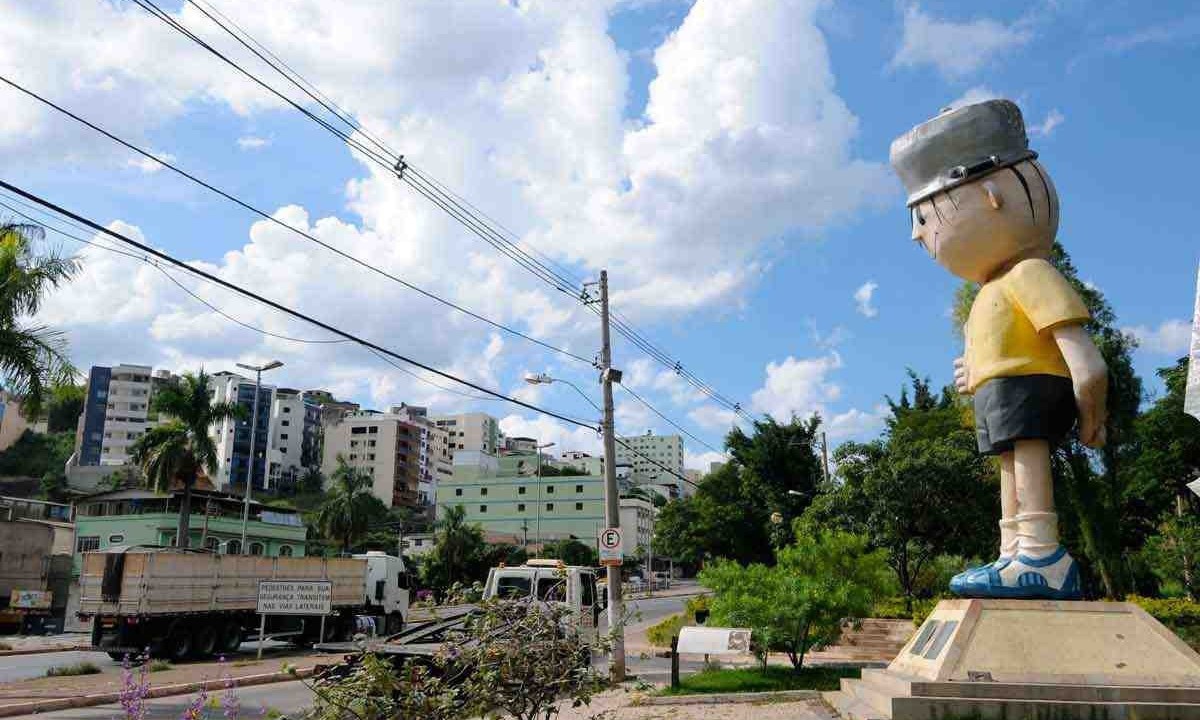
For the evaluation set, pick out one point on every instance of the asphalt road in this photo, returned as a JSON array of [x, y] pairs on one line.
[[287, 698], [26, 667]]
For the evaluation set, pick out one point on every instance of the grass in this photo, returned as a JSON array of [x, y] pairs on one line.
[[160, 666], [776, 677], [5, 646], [79, 668]]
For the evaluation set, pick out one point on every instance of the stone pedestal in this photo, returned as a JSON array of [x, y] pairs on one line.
[[1032, 659]]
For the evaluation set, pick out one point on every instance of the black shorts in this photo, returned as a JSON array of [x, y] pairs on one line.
[[1025, 407]]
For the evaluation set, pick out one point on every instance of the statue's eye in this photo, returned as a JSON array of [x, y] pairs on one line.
[[917, 217]]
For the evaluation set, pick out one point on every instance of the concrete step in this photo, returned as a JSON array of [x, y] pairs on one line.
[[877, 698], [850, 707], [945, 708], [889, 682], [1057, 692]]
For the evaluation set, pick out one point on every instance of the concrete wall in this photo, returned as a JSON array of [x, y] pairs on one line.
[[24, 557]]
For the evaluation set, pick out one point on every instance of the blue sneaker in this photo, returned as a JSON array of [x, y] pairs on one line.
[[1054, 577]]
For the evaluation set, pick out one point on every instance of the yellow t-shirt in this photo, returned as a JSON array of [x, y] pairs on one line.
[[1008, 329]]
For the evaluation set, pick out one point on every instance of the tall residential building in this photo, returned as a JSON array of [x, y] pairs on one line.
[[649, 454], [295, 437], [435, 460], [385, 446], [637, 525], [471, 431], [116, 412], [506, 496], [233, 436]]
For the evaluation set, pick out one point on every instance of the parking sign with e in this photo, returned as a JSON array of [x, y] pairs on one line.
[[609, 542]]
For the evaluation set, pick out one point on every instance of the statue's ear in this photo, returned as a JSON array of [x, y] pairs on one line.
[[993, 194]]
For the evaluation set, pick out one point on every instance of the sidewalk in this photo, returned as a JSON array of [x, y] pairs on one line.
[[22, 644], [624, 704]]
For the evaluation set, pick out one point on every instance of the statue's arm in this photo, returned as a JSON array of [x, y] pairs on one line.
[[1089, 376]]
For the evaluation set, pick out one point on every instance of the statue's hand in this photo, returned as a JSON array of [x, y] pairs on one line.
[[1091, 400], [1089, 378], [962, 379]]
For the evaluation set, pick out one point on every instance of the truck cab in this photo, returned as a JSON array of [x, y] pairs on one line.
[[550, 581], [388, 588]]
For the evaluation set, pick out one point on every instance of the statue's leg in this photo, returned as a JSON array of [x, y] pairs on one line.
[[1037, 523], [1008, 506]]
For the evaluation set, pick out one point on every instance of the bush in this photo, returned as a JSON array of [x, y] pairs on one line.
[[160, 665], [1172, 612], [660, 634], [79, 668], [773, 678]]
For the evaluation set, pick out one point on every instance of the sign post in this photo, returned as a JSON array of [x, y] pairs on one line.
[[292, 597], [611, 547], [1191, 399]]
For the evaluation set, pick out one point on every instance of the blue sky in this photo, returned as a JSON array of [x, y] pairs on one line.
[[740, 201]]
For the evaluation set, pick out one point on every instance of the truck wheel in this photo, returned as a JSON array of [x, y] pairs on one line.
[[118, 656], [204, 640], [231, 637], [178, 644]]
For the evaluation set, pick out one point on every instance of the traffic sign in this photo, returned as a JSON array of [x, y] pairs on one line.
[[299, 597], [611, 546]]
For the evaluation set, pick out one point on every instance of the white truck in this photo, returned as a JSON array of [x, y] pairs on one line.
[[181, 604]]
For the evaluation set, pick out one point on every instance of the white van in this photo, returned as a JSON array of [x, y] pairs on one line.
[[550, 581]]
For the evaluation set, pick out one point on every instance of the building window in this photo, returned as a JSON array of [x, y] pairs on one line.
[[578, 506], [549, 506], [87, 543], [457, 492], [358, 431], [287, 410], [520, 507], [285, 551], [549, 489], [233, 547], [373, 430], [256, 548], [353, 443], [285, 423], [370, 456], [483, 508], [578, 488], [483, 492], [283, 436], [521, 490], [353, 456], [370, 443], [116, 539]]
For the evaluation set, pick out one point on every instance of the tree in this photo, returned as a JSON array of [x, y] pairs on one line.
[[783, 461], [459, 552], [1174, 554], [571, 552], [176, 452], [311, 481], [799, 604], [54, 486], [723, 519], [919, 492], [349, 505], [35, 454], [32, 357], [65, 407]]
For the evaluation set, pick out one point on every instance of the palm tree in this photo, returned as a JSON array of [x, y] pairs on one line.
[[180, 449], [349, 505], [32, 357]]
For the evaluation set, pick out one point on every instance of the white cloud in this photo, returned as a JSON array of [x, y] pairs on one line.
[[857, 423], [1054, 118], [147, 165], [956, 49], [863, 297], [798, 387], [252, 142], [713, 417], [976, 94], [702, 461], [1171, 337]]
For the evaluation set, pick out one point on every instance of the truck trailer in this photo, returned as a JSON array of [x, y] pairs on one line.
[[178, 604]]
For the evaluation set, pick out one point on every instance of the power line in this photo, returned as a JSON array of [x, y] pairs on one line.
[[281, 308], [270, 218], [451, 203], [674, 424], [644, 456]]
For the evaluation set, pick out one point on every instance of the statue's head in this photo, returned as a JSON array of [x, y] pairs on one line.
[[979, 199]]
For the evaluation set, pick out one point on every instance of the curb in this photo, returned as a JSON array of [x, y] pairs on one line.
[[43, 651], [726, 698], [39, 706]]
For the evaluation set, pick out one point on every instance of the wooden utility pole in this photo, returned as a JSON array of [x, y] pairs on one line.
[[612, 505]]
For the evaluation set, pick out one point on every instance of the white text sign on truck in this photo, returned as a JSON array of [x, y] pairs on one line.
[[300, 597]]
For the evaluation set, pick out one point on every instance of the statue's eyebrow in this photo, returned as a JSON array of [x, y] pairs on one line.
[[1028, 195], [933, 201]]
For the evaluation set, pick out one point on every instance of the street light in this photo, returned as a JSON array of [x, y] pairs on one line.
[[538, 531], [258, 371], [544, 379]]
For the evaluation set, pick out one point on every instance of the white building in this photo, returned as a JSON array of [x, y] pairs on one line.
[[285, 452], [471, 431], [436, 459], [589, 464], [655, 459], [387, 447], [637, 525], [233, 437]]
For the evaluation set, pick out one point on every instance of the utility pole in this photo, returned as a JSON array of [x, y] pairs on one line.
[[258, 371], [612, 506]]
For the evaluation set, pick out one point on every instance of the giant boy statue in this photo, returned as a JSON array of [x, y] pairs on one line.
[[986, 210]]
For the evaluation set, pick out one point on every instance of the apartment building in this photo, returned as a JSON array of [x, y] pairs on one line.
[[116, 412], [436, 460], [590, 464], [505, 495], [637, 525], [387, 447], [471, 431], [655, 460], [296, 434], [232, 437]]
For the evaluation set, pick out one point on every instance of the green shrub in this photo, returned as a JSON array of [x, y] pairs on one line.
[[891, 608], [697, 604], [660, 634], [775, 677], [160, 666], [79, 668], [1173, 612]]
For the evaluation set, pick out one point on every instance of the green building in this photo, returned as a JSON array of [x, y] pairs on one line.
[[142, 517], [506, 496]]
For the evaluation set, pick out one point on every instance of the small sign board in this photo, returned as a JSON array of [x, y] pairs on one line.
[[295, 597], [1191, 399], [30, 599], [714, 641], [611, 547]]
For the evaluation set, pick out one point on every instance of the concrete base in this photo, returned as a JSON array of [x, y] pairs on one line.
[[1031, 659]]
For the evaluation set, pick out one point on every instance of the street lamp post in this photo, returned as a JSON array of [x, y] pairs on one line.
[[258, 371]]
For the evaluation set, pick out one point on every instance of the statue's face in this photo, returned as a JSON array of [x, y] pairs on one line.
[[980, 228]]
